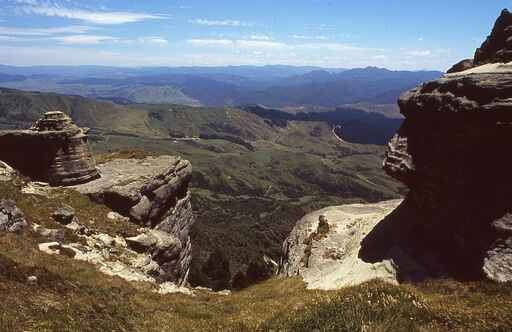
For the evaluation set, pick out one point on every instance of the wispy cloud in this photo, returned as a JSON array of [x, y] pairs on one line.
[[260, 44], [11, 31], [260, 37], [96, 17], [210, 42], [239, 43], [153, 40], [303, 37], [84, 39], [419, 52], [225, 23]]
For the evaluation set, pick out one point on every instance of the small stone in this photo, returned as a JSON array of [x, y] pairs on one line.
[[116, 216], [64, 215], [32, 279]]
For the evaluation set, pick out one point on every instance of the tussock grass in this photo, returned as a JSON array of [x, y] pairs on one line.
[[73, 296]]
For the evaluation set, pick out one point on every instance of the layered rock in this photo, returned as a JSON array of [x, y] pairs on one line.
[[152, 192], [54, 150], [451, 151]]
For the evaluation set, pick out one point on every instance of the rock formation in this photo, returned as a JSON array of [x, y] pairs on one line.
[[323, 247], [451, 152], [152, 192], [54, 150], [11, 218], [497, 48]]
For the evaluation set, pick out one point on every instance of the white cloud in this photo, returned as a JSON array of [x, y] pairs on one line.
[[227, 23], [9, 38], [240, 43], [260, 44], [153, 40], [336, 47], [320, 37], [260, 37], [84, 39], [96, 17], [210, 42], [420, 39], [419, 53], [11, 31]]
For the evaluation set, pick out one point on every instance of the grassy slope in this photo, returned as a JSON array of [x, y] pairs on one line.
[[73, 296]]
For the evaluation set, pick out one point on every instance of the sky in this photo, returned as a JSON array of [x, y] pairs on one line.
[[409, 35]]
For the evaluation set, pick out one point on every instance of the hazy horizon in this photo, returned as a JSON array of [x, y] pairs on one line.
[[199, 33]]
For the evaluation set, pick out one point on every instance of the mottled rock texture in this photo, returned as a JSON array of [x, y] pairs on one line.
[[452, 153], [323, 247], [11, 218], [54, 150], [152, 192]]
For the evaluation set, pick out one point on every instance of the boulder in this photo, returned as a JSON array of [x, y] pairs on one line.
[[54, 150], [11, 218]]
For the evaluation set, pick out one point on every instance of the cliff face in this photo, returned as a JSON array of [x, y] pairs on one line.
[[451, 152], [152, 192], [53, 150]]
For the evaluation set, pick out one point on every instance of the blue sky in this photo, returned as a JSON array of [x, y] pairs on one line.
[[393, 34]]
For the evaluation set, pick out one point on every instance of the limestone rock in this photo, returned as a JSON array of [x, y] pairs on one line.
[[152, 192], [11, 218], [6, 172], [54, 150], [324, 247], [53, 234]]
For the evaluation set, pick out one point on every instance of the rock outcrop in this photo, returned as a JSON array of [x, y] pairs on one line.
[[54, 150], [451, 151], [497, 48], [152, 192], [323, 247], [11, 218]]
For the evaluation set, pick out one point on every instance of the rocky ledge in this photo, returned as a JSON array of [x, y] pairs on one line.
[[152, 192]]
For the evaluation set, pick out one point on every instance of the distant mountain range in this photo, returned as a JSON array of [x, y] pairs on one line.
[[273, 86]]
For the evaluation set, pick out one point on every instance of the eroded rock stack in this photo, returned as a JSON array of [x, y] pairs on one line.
[[54, 150], [152, 192], [452, 152]]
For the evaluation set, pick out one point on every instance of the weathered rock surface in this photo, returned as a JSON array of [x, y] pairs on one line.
[[152, 192], [324, 247], [11, 218], [451, 152], [6, 172], [54, 150]]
